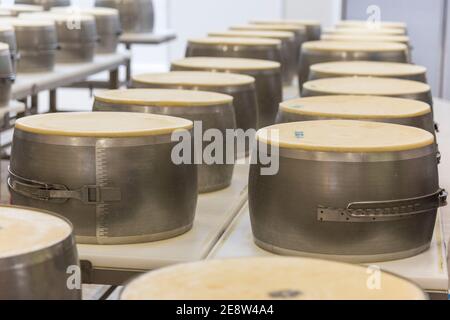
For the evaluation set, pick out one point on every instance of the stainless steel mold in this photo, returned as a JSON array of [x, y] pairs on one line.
[[114, 189], [136, 16], [289, 59], [216, 114], [240, 87], [267, 75], [42, 273], [351, 206]]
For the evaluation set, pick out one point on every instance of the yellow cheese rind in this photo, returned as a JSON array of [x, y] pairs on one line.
[[345, 136], [164, 97], [25, 231], [368, 68], [325, 46], [366, 38], [250, 42], [273, 27], [303, 22], [101, 124], [365, 30], [267, 279], [280, 35], [205, 79], [356, 107], [366, 86], [219, 63]]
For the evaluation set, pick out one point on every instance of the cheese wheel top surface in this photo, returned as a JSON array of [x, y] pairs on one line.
[[25, 231], [345, 136], [29, 23], [385, 24], [163, 97], [366, 38], [302, 22], [366, 86], [4, 46], [251, 42], [368, 68], [281, 35], [57, 16], [205, 79], [266, 279], [95, 11], [356, 107], [363, 30], [22, 8], [238, 64], [101, 124], [322, 45], [274, 27]]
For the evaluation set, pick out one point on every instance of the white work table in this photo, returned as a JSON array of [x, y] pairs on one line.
[[158, 37], [215, 211], [428, 269], [28, 84]]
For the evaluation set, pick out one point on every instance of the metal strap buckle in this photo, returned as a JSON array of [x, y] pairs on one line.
[[373, 211], [89, 194]]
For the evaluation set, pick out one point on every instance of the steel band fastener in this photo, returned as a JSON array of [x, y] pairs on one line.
[[43, 191], [372, 211]]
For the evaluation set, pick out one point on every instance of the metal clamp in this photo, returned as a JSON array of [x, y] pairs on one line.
[[89, 194], [373, 211]]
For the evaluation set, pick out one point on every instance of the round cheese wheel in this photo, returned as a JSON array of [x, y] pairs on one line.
[[249, 42], [345, 136], [194, 78], [164, 97], [366, 86], [25, 231], [324, 46], [356, 107], [237, 64], [368, 68], [268, 279], [101, 124]]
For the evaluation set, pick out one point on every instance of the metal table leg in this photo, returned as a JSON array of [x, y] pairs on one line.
[[53, 101]]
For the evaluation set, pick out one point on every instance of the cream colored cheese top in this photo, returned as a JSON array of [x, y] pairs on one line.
[[29, 23], [238, 64], [25, 231], [356, 107], [57, 16], [364, 31], [281, 35], [16, 8], [250, 42], [95, 11], [345, 136], [322, 45], [163, 97], [274, 27], [194, 78], [366, 38], [308, 23], [368, 68], [383, 24], [101, 124], [266, 279], [366, 86]]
